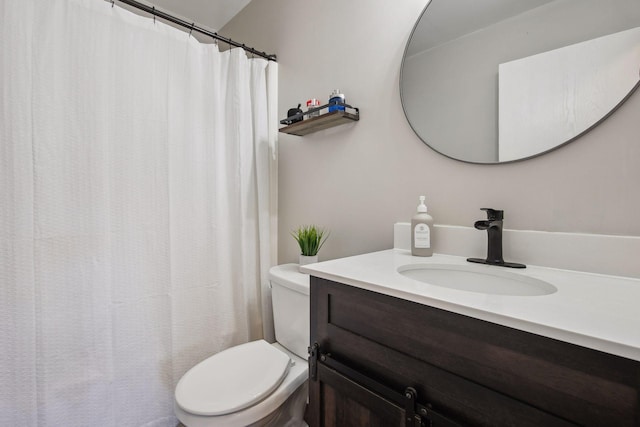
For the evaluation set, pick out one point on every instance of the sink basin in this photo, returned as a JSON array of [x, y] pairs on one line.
[[484, 280]]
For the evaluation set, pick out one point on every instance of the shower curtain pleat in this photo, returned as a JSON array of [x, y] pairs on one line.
[[18, 383], [135, 211]]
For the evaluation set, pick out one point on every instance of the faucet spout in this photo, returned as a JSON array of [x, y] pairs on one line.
[[493, 226], [482, 224]]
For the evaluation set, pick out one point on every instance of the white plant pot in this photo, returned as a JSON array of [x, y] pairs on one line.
[[304, 260]]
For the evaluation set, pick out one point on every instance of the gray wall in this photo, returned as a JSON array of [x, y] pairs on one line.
[[358, 179]]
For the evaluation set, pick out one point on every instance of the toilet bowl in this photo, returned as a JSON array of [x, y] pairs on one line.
[[256, 383]]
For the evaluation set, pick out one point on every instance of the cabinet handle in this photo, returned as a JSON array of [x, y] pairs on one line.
[[313, 360], [410, 417]]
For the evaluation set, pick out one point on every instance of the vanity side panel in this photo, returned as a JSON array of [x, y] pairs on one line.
[[318, 310], [378, 333]]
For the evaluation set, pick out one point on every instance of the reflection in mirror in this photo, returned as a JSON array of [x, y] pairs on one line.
[[489, 81]]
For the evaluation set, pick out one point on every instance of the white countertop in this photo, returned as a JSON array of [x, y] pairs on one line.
[[592, 310]]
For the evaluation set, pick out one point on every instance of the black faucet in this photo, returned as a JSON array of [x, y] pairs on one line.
[[493, 225]]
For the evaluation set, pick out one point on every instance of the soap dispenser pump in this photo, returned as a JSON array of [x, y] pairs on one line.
[[421, 231]]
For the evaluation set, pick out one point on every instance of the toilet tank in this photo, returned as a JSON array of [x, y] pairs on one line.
[[290, 299]]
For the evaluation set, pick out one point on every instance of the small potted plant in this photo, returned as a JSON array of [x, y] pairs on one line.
[[310, 238]]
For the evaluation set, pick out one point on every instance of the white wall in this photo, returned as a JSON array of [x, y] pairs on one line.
[[358, 179]]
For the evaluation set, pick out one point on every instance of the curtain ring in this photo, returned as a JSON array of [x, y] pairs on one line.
[[113, 2], [191, 30], [153, 11]]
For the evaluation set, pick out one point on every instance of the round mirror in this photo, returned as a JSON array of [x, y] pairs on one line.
[[493, 81]]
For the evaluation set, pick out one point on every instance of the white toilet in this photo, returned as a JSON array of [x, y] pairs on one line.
[[257, 383]]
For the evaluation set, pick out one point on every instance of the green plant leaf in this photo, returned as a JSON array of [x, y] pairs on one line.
[[310, 238]]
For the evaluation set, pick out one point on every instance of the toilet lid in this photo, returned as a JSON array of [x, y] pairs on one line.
[[233, 379]]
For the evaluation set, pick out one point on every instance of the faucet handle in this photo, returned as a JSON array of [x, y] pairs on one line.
[[494, 214]]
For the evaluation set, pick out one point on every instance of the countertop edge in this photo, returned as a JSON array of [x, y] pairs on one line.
[[549, 331]]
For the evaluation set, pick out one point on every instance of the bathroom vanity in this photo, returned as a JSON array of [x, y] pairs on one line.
[[390, 350]]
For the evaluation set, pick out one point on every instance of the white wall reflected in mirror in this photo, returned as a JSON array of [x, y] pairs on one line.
[[549, 98]]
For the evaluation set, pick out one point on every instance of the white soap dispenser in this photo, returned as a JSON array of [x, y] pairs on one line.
[[421, 228]]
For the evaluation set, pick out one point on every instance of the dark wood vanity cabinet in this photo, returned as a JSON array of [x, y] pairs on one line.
[[373, 351]]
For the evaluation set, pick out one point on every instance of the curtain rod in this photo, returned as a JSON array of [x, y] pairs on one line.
[[193, 27]]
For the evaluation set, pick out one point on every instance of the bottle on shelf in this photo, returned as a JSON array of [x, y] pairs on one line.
[[335, 98], [313, 103]]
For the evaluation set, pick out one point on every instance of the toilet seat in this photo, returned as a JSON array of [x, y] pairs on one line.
[[296, 379], [233, 379]]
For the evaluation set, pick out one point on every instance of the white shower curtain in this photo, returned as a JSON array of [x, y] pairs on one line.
[[135, 213]]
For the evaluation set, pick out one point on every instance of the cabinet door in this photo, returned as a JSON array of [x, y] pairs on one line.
[[342, 396], [337, 401]]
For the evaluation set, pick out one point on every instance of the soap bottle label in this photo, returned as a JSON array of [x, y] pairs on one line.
[[422, 236]]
